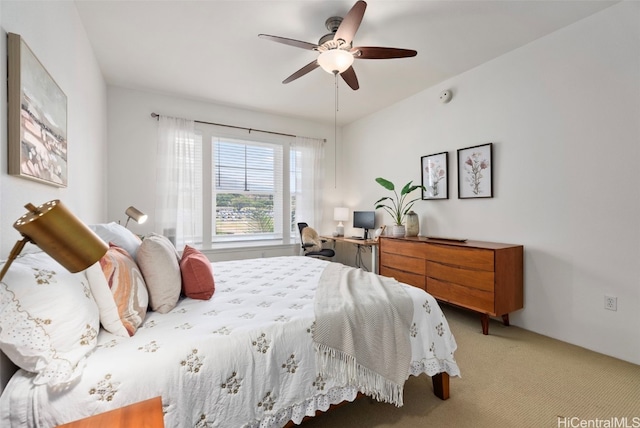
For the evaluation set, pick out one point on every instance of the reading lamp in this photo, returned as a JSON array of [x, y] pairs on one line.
[[340, 214], [60, 234], [137, 215]]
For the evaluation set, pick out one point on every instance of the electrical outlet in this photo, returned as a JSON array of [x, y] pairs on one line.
[[611, 303]]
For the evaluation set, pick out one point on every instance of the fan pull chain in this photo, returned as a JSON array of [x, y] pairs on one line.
[[335, 75], [335, 134]]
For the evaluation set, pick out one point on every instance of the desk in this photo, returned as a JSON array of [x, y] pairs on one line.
[[359, 243]]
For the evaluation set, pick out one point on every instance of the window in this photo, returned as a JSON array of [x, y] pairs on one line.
[[247, 190], [254, 188]]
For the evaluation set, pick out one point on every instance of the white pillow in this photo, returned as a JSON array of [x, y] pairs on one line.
[[49, 320], [159, 262], [118, 235]]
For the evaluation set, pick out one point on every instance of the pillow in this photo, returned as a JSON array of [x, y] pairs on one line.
[[120, 292], [118, 235], [49, 321], [159, 262], [197, 276]]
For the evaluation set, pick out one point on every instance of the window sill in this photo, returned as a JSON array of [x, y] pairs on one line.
[[250, 250]]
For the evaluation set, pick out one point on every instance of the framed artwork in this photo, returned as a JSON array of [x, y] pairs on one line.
[[435, 176], [37, 118], [475, 172]]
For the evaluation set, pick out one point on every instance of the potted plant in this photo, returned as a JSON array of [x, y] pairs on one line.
[[397, 206]]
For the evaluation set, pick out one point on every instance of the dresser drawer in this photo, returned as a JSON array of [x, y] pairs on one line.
[[405, 277], [404, 248], [473, 258], [471, 298], [482, 280], [407, 264]]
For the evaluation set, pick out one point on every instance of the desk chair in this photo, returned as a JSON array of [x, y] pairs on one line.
[[323, 253]]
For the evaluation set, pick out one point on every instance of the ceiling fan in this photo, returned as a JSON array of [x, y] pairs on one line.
[[336, 48]]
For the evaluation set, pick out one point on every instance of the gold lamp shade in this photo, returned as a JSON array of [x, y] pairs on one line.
[[59, 233]]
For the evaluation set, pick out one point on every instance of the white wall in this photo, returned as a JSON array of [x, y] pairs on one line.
[[564, 115], [132, 150], [55, 34]]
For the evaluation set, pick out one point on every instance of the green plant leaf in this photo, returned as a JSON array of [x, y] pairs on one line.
[[385, 183], [407, 188]]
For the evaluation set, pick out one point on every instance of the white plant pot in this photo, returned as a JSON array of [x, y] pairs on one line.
[[397, 231]]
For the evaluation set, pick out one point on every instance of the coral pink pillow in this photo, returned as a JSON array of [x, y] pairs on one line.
[[197, 275]]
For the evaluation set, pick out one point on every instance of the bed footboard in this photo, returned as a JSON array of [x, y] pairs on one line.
[[441, 385]]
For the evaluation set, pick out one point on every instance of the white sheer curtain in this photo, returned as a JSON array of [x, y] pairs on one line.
[[176, 202], [309, 199]]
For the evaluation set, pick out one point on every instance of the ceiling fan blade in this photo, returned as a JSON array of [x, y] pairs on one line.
[[349, 76], [351, 22], [290, 42], [304, 70], [374, 52]]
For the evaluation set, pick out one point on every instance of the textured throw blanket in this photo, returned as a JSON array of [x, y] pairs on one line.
[[362, 331]]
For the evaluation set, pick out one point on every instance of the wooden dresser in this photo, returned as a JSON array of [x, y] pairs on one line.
[[485, 277]]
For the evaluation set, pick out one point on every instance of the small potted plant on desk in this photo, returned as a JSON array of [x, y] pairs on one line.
[[397, 206]]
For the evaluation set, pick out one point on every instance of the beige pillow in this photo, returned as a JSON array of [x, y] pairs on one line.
[[159, 262]]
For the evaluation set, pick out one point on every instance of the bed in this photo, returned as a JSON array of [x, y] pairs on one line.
[[245, 357]]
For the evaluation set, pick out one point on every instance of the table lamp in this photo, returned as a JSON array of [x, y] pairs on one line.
[[136, 214], [340, 214], [60, 234]]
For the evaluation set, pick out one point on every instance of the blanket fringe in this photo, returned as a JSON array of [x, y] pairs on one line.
[[344, 368]]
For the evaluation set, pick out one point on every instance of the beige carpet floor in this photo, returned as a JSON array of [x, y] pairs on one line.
[[510, 378]]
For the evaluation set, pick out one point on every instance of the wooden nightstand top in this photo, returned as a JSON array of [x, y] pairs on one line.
[[144, 414]]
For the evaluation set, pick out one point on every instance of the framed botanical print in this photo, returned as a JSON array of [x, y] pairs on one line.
[[475, 172], [435, 176], [37, 118]]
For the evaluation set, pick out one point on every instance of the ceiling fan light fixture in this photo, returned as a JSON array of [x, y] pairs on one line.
[[335, 60]]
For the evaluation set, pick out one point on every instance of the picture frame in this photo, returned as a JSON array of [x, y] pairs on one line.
[[475, 172], [435, 176], [37, 118]]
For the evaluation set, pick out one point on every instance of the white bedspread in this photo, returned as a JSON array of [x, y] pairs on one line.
[[242, 359]]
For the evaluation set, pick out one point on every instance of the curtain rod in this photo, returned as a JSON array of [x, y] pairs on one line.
[[157, 116]]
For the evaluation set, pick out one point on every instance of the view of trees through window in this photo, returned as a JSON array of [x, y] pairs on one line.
[[243, 214]]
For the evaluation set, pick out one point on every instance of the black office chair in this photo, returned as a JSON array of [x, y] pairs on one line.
[[324, 253]]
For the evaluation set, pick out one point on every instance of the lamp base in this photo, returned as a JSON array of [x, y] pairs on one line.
[[340, 231]]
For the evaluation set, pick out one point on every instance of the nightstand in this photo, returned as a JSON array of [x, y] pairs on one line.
[[144, 414]]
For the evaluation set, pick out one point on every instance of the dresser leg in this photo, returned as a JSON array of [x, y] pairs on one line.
[[484, 319], [505, 319]]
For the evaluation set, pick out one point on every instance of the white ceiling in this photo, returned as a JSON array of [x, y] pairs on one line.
[[209, 49]]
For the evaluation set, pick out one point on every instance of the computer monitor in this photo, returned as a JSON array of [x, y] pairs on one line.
[[364, 220]]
